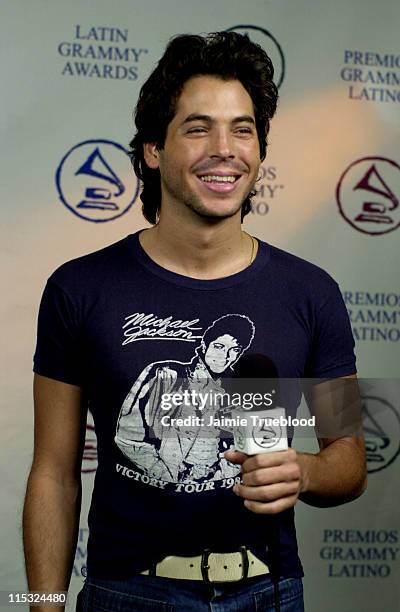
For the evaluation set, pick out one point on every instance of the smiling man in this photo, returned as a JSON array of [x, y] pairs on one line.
[[178, 520], [212, 115]]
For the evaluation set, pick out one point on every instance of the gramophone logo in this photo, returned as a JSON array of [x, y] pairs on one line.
[[269, 43], [368, 195], [266, 435], [382, 432], [96, 182]]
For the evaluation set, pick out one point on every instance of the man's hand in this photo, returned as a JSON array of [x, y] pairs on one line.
[[272, 482]]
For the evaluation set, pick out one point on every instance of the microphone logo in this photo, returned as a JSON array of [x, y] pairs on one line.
[[266, 435]]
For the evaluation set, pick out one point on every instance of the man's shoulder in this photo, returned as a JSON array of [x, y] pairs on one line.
[[298, 269], [92, 268], [301, 281]]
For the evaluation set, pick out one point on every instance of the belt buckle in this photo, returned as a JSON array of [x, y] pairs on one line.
[[205, 567]]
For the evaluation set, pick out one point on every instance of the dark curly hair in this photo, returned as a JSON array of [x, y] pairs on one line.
[[228, 55], [237, 326]]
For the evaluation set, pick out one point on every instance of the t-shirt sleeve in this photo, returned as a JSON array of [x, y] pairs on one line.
[[332, 351], [59, 348]]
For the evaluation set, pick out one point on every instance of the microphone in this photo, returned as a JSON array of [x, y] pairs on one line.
[[262, 421], [255, 365]]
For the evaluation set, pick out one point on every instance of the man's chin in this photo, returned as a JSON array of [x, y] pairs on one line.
[[217, 369], [212, 213]]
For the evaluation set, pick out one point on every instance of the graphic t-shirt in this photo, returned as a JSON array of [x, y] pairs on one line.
[[129, 331]]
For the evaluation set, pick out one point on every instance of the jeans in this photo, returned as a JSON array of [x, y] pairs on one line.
[[146, 593]]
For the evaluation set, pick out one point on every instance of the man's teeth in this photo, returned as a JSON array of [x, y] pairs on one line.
[[218, 179]]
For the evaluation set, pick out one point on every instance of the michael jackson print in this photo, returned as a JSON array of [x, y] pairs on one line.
[[184, 453]]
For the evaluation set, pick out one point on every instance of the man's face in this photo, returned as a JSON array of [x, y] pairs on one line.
[[221, 353], [211, 155]]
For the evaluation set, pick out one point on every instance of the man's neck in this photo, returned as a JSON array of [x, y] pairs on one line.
[[205, 251]]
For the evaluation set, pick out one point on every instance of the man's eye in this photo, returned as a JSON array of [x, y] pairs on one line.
[[244, 130], [197, 130]]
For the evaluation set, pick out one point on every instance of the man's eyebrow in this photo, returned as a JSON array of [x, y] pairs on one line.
[[197, 117], [244, 119], [208, 119]]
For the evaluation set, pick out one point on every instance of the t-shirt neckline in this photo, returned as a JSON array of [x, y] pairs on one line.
[[247, 274]]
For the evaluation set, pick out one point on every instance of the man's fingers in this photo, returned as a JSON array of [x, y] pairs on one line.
[[267, 476], [274, 507], [270, 481], [268, 493], [266, 460], [235, 456]]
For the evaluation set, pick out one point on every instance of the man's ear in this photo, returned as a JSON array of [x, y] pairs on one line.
[[151, 155]]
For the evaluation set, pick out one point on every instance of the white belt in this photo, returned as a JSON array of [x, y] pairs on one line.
[[212, 567]]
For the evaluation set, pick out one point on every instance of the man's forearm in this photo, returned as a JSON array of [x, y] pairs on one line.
[[334, 476], [50, 530]]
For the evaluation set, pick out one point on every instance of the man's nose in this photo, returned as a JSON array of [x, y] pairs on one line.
[[222, 144], [228, 354]]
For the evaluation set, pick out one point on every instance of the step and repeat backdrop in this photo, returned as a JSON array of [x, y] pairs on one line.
[[329, 192]]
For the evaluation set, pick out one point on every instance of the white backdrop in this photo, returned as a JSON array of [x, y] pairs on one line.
[[71, 72]]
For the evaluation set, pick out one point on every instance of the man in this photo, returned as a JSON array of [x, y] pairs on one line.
[[202, 121]]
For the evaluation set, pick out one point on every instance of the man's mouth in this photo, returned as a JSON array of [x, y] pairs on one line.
[[219, 363], [209, 178], [220, 183]]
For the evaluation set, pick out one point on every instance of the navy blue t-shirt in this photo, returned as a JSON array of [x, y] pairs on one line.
[[127, 331]]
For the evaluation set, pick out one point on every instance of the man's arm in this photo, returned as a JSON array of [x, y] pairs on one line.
[[53, 496], [338, 473], [273, 482]]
